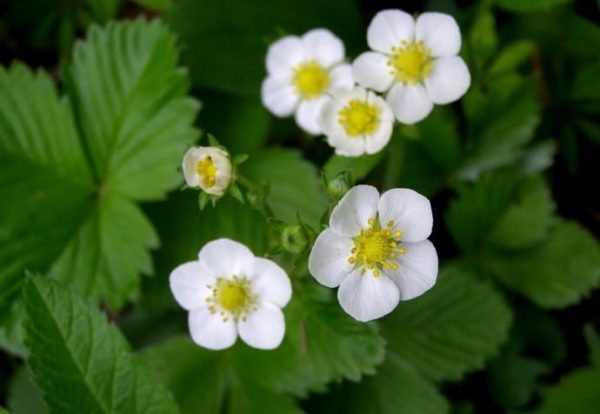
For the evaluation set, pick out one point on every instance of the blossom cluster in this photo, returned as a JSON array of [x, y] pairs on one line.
[[414, 63]]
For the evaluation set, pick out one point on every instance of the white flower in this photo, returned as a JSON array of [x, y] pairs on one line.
[[207, 168], [376, 250], [228, 292], [357, 121], [302, 71], [416, 61]]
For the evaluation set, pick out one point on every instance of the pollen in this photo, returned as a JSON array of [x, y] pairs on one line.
[[207, 170], [310, 79], [359, 118], [375, 248], [411, 62], [232, 298]]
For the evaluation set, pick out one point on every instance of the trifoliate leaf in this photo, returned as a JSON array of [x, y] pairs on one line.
[[450, 330], [295, 188], [501, 209], [131, 105], [501, 125], [396, 388], [227, 41], [80, 361], [135, 123], [554, 273], [575, 393]]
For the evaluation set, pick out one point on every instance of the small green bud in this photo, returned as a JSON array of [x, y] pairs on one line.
[[294, 238]]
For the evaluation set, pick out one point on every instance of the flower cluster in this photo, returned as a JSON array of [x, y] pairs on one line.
[[415, 63]]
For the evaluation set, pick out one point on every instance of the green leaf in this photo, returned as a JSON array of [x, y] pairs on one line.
[[519, 6], [483, 38], [452, 329], [24, 397], [132, 108], [184, 230], [156, 5], [359, 166], [396, 388], [81, 362], [103, 10], [554, 273], [295, 188], [511, 57], [227, 41], [38, 140], [575, 393], [502, 123], [587, 84], [501, 209]]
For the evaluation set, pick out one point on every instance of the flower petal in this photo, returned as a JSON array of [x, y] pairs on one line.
[[210, 331], [269, 282], [328, 260], [278, 96], [410, 103], [389, 28], [439, 32], [410, 212], [284, 54], [417, 269], [353, 211], [365, 297], [323, 46], [264, 328], [189, 285], [341, 78], [309, 113], [371, 70], [379, 139], [347, 146], [449, 80], [226, 257]]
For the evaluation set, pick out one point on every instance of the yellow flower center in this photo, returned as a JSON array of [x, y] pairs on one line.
[[359, 118], [375, 248], [232, 298], [310, 79], [207, 171], [411, 63]]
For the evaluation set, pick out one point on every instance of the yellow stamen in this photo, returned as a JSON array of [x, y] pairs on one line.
[[207, 170], [359, 118], [411, 63], [233, 297], [310, 79]]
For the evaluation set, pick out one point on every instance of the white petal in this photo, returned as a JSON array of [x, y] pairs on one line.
[[226, 257], [410, 103], [365, 297], [188, 166], [309, 113], [354, 210], [189, 284], [439, 32], [209, 331], [278, 95], [417, 269], [410, 211], [264, 328], [388, 29], [379, 139], [371, 70], [347, 146], [448, 81], [328, 120], [328, 260], [269, 282], [341, 78], [323, 46], [284, 54]]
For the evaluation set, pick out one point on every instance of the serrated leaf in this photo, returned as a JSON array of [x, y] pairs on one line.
[[452, 329], [81, 362], [501, 209], [295, 188], [24, 397], [131, 106], [396, 388], [575, 393], [554, 273], [234, 36]]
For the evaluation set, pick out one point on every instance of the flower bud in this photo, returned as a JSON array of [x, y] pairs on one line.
[[207, 168]]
